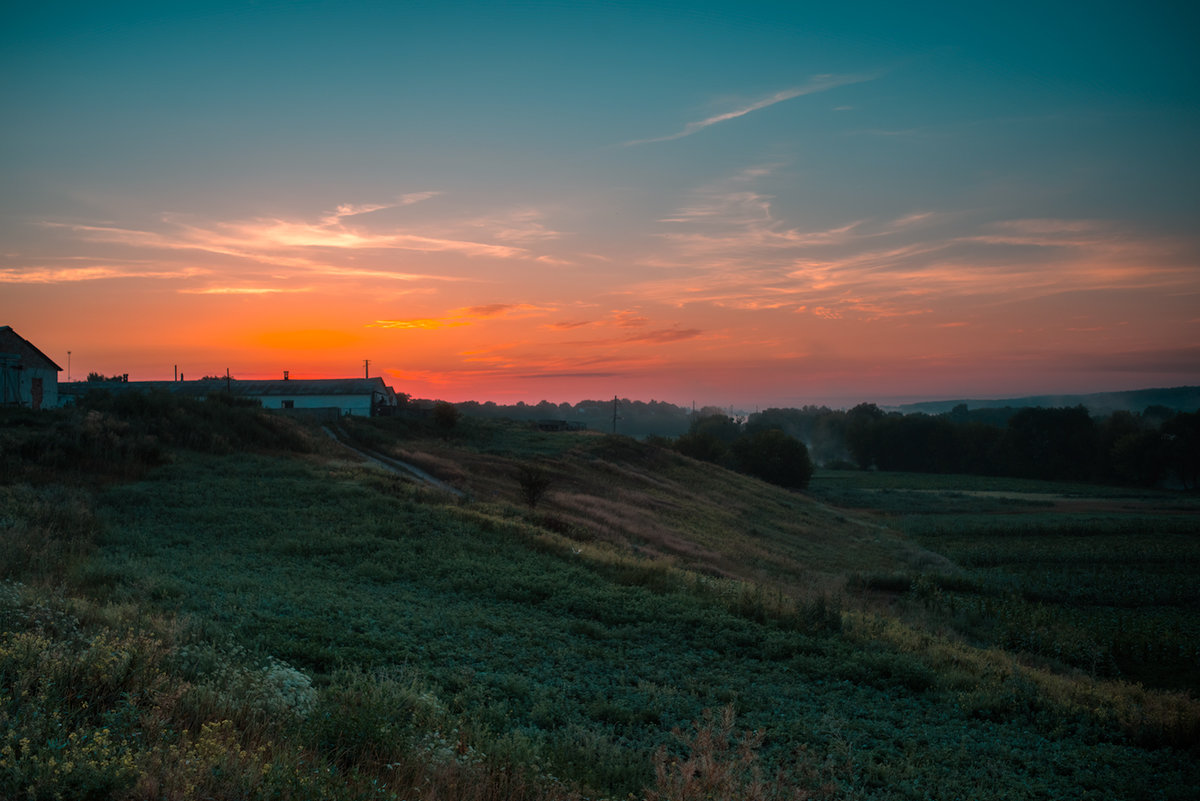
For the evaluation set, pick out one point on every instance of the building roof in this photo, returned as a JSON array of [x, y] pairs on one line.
[[13, 343], [294, 387]]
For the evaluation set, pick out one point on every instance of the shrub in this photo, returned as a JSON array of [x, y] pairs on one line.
[[44, 531], [535, 481], [775, 457], [445, 415], [722, 766]]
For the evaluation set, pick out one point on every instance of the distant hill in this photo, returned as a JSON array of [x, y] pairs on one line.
[[1183, 399]]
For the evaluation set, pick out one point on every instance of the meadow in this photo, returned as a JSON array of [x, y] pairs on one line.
[[203, 601]]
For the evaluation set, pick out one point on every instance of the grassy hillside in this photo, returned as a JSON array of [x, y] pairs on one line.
[[230, 605], [652, 501]]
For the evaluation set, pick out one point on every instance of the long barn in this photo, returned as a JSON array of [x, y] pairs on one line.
[[343, 396]]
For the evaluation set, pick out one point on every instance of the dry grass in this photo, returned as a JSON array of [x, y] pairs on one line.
[[652, 502], [722, 765]]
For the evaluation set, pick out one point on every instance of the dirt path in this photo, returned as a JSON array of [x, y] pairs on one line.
[[391, 464]]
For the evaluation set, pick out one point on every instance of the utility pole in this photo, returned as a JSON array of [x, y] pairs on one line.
[[228, 382], [366, 368], [614, 414], [68, 366]]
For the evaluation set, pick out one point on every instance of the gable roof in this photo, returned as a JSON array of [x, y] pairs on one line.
[[30, 356]]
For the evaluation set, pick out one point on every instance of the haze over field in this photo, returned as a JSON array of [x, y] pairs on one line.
[[764, 204]]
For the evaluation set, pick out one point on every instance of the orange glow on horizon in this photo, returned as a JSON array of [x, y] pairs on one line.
[[752, 313]]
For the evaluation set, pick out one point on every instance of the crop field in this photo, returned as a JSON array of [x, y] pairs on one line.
[[1098, 579], [280, 620]]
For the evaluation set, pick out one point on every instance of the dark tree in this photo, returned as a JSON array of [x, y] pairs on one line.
[[1052, 443], [915, 442], [978, 448], [719, 426], [1181, 435], [445, 415], [535, 480], [709, 438], [861, 430], [1138, 458], [706, 448], [775, 457]]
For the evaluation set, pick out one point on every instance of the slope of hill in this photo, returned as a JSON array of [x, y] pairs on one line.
[[249, 611], [652, 502]]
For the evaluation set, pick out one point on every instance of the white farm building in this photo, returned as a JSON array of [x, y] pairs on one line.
[[358, 396], [28, 377]]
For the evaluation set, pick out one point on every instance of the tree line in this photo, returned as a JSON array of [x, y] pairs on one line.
[[1156, 446], [635, 418], [1148, 448]]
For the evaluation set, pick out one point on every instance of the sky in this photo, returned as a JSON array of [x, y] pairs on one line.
[[751, 204]]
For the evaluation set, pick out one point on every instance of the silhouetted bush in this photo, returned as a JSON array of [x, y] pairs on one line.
[[535, 481], [775, 457], [445, 415]]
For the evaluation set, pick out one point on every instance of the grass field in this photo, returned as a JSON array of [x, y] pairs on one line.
[[1093, 578], [300, 625]]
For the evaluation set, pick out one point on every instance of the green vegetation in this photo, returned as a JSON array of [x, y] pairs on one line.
[[206, 601], [1103, 583]]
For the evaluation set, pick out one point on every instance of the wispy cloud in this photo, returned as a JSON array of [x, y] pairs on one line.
[[345, 210], [502, 310], [353, 210], [916, 218], [629, 319], [522, 226], [664, 335], [59, 275], [339, 271], [729, 248], [427, 323], [469, 315], [818, 83], [244, 290], [729, 217], [416, 197], [327, 246], [258, 236]]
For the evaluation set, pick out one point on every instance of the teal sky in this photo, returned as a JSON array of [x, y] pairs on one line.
[[756, 203]]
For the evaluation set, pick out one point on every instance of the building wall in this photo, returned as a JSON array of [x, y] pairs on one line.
[[349, 404], [49, 387], [19, 386]]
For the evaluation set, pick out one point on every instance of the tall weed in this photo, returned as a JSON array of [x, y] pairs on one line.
[[722, 765]]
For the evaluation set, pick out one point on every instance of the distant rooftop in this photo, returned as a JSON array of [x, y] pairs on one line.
[[294, 386], [13, 343]]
